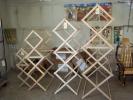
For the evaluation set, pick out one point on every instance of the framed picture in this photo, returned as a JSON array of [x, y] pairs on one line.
[[107, 34], [10, 35]]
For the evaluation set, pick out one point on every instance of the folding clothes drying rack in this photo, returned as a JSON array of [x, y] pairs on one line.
[[31, 64], [99, 66], [65, 26], [99, 62]]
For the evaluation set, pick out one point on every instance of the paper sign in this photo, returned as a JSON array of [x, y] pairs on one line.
[[22, 53], [65, 25]]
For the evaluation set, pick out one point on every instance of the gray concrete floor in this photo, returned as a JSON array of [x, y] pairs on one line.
[[13, 92]]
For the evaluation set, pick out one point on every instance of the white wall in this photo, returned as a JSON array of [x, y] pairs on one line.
[[47, 14], [26, 15], [32, 14]]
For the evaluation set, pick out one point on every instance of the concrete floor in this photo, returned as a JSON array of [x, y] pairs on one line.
[[13, 92]]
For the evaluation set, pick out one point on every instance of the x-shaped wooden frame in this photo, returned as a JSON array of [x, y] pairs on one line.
[[65, 62], [97, 61], [36, 66]]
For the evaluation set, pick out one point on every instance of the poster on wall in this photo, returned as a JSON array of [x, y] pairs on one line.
[[106, 33], [1, 42], [76, 12], [10, 35], [71, 14], [81, 12]]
